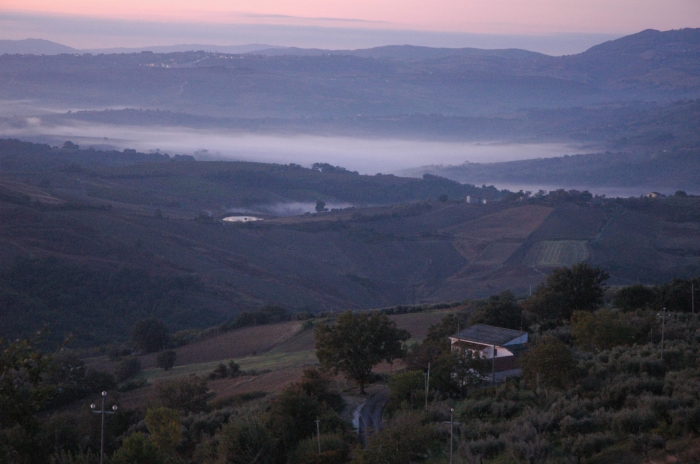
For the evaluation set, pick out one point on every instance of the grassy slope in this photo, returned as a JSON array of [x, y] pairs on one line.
[[284, 350]]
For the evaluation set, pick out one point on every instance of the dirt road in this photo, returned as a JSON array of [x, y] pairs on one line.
[[370, 414]]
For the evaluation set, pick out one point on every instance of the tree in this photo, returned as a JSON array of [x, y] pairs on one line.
[[136, 448], [315, 383], [601, 330], [150, 335], [407, 439], [246, 441], [334, 450], [166, 359], [320, 206], [500, 310], [405, 387], [164, 426], [186, 394], [127, 368], [358, 342], [292, 416], [578, 288], [548, 363], [23, 388], [634, 297]]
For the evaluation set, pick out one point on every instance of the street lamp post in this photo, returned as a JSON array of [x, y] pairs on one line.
[[102, 412], [318, 434]]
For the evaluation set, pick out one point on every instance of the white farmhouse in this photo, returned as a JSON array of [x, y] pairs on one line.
[[496, 343]]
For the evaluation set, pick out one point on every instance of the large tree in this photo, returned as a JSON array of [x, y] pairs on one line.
[[548, 363], [500, 310], [357, 342], [150, 335], [578, 288]]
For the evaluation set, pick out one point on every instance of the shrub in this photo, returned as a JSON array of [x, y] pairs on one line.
[[137, 448], [127, 368], [246, 441], [186, 394], [166, 360], [150, 335]]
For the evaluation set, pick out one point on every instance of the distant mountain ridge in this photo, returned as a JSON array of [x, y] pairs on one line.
[[681, 40], [378, 82], [34, 47], [403, 52], [47, 47], [230, 49]]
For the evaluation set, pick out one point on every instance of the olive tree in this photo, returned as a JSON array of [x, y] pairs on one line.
[[357, 342]]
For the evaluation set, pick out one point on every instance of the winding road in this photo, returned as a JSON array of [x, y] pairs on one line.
[[369, 414]]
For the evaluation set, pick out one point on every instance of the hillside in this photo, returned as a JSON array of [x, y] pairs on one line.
[[149, 236], [379, 82], [273, 355]]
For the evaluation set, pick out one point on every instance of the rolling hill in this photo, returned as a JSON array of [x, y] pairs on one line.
[[649, 66], [128, 237]]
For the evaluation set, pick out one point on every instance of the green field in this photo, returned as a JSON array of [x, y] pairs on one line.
[[557, 253]]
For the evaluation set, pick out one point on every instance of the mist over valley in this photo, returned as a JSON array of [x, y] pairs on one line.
[[349, 232], [359, 162]]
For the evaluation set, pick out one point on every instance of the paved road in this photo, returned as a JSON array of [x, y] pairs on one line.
[[370, 414]]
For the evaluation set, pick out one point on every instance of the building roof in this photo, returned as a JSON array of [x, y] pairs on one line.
[[488, 335]]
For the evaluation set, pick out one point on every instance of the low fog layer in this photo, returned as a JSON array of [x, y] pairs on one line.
[[293, 208], [367, 156]]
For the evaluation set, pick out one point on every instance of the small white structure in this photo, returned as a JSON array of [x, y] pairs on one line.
[[491, 342], [242, 219]]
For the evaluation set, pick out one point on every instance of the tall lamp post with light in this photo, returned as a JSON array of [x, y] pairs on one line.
[[103, 411]]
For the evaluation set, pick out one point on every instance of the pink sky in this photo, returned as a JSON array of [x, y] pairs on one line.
[[466, 16]]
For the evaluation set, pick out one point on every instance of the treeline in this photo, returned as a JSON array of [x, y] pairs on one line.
[[93, 305], [16, 155]]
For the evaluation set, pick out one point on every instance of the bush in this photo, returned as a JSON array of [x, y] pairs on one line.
[[150, 335], [186, 394], [127, 368], [246, 441], [333, 450], [137, 448], [166, 360]]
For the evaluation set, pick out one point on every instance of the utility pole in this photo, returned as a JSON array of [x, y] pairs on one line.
[[692, 297], [427, 386], [452, 410], [318, 434], [493, 365], [102, 434], [663, 330]]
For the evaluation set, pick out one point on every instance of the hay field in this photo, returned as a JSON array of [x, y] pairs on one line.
[[275, 354], [557, 253]]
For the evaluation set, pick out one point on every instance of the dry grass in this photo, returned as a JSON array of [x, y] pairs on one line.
[[500, 225], [276, 354]]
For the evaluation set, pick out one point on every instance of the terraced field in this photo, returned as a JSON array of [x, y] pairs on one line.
[[557, 253]]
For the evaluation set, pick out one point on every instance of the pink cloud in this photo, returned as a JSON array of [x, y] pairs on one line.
[[478, 16]]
